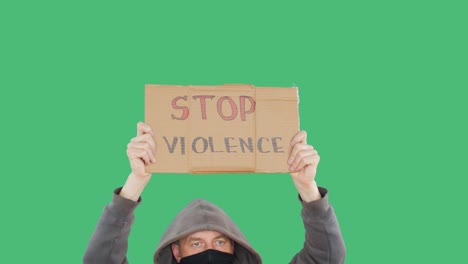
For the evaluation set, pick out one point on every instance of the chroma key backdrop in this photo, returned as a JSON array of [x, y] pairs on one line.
[[382, 97]]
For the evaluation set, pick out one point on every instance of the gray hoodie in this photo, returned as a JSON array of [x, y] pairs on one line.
[[109, 242], [203, 215]]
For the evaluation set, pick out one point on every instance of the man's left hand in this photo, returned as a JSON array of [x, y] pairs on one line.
[[303, 163]]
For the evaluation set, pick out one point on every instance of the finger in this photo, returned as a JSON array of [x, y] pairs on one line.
[[143, 128], [143, 145], [296, 149], [145, 138], [302, 155], [145, 156], [309, 161], [136, 153], [301, 136]]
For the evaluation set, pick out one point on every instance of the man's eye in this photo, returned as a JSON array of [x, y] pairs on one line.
[[196, 244], [219, 242]]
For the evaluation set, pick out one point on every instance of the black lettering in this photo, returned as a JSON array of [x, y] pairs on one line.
[[171, 148], [244, 144], [276, 148], [182, 145], [194, 145], [210, 142], [259, 144], [229, 146]]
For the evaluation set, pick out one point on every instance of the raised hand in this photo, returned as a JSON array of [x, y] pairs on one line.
[[303, 162], [141, 151]]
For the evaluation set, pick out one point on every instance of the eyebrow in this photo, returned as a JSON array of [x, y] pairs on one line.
[[193, 239], [190, 239]]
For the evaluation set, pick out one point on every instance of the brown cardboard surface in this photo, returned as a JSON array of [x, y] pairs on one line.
[[226, 128]]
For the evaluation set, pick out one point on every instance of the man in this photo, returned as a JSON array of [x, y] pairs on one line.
[[202, 232]]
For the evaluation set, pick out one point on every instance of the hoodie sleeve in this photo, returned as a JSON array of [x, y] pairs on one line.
[[109, 241], [323, 241]]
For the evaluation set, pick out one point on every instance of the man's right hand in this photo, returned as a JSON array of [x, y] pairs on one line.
[[141, 151]]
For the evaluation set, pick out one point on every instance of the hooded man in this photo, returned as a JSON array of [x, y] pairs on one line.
[[202, 232]]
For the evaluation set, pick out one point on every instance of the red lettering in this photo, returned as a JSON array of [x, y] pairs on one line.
[[185, 110], [233, 108], [242, 106], [203, 103]]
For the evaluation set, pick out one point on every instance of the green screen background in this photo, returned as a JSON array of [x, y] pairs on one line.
[[381, 96]]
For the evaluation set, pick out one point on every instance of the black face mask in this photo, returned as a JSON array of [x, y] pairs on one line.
[[209, 256]]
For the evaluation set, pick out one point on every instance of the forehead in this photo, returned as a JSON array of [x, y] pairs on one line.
[[204, 234]]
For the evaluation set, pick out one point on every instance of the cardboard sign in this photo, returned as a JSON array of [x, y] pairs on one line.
[[228, 128]]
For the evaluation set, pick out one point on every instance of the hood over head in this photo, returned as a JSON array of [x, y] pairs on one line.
[[202, 215]]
